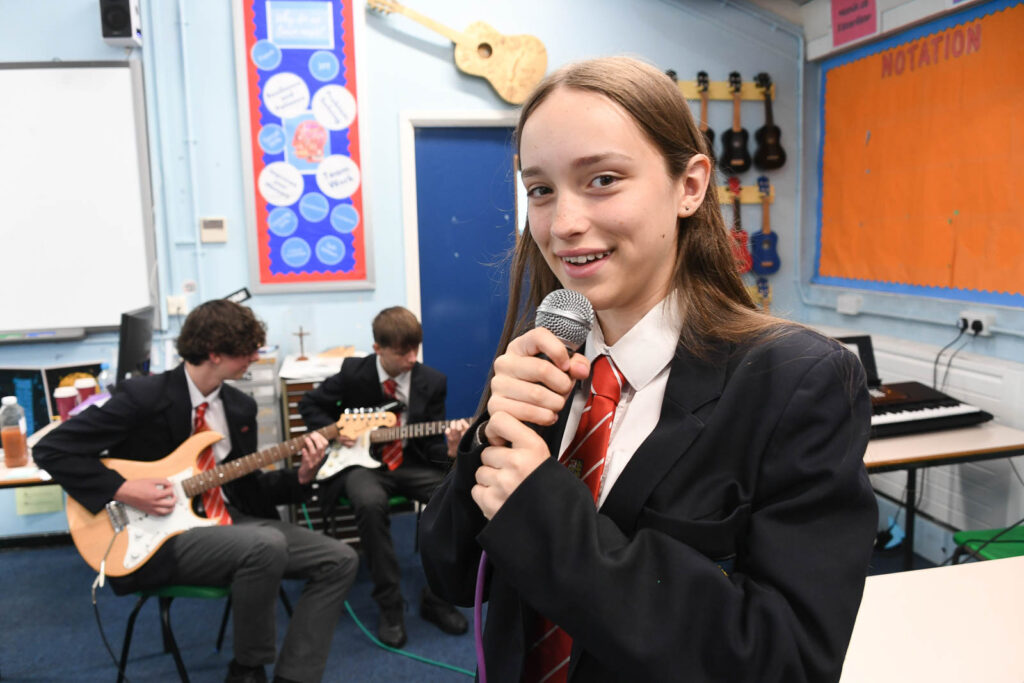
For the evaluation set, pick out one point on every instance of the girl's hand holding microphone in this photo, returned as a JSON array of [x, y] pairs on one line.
[[527, 389]]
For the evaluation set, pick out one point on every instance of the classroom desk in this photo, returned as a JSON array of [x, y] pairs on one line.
[[912, 452], [958, 623], [29, 475]]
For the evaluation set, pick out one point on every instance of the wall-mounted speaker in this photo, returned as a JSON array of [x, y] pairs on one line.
[[120, 22]]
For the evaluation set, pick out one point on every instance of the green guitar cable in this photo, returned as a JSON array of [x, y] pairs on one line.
[[375, 641]]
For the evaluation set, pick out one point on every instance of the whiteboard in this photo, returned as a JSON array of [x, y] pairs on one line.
[[76, 229]]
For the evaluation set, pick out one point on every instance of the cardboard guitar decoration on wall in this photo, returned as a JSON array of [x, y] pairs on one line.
[[513, 65]]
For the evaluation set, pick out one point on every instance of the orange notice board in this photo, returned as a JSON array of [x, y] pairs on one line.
[[922, 161]]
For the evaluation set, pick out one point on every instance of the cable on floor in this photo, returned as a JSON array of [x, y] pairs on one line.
[[375, 641]]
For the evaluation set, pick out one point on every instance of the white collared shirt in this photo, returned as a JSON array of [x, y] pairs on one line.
[[403, 384], [216, 418], [644, 357]]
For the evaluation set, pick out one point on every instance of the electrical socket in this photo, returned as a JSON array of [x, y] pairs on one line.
[[849, 304], [986, 321], [176, 305]]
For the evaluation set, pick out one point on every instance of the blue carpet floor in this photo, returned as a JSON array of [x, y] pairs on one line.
[[49, 631]]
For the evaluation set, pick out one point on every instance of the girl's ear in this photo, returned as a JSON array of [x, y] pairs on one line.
[[693, 184]]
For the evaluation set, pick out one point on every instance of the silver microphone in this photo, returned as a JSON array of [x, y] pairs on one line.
[[568, 315]]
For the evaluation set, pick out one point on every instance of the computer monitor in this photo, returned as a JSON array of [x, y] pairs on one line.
[[29, 385], [65, 376], [135, 342]]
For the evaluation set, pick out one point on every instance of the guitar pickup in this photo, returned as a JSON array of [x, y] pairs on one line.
[[118, 515]]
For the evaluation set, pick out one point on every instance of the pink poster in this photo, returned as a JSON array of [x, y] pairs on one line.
[[852, 19]]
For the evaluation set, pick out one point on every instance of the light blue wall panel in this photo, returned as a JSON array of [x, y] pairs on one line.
[[188, 57]]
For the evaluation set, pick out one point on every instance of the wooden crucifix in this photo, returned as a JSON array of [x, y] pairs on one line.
[[302, 350]]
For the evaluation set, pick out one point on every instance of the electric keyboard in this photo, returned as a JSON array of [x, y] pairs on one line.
[[912, 407]]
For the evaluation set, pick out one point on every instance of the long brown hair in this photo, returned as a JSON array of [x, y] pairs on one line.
[[714, 303]]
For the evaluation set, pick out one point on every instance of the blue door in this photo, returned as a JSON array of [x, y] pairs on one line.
[[465, 189]]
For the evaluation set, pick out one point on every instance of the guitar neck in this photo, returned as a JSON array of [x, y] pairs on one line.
[[410, 431], [234, 469], [450, 34], [769, 119], [737, 223], [766, 226], [703, 111], [736, 125]]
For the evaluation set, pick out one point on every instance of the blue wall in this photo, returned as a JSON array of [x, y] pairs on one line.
[[188, 61], [188, 58]]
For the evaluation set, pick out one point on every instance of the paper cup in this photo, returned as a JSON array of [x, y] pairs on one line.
[[85, 387], [67, 399]]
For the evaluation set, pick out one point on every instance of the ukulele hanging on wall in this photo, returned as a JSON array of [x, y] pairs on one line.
[[735, 155], [769, 155], [739, 235], [709, 134], [513, 65], [765, 256]]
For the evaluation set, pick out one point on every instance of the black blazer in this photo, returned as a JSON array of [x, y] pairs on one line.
[[733, 547], [358, 386]]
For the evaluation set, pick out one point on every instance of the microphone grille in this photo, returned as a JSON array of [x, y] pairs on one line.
[[568, 315]]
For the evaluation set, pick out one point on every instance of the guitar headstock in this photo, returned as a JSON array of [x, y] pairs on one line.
[[702, 81], [735, 82], [764, 187], [763, 81], [734, 186], [671, 73], [384, 6], [354, 424]]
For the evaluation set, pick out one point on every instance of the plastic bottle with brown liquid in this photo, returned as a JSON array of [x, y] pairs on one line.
[[12, 431]]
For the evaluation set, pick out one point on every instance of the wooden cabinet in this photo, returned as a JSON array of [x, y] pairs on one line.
[[344, 526]]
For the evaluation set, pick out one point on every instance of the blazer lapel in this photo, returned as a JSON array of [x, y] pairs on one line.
[[691, 384], [417, 396], [178, 405]]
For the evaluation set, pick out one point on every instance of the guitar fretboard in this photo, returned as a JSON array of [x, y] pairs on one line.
[[350, 424], [411, 431], [239, 467]]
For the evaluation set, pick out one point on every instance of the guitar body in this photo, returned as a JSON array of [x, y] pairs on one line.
[[144, 534], [513, 65], [340, 458], [764, 255], [735, 154], [769, 155]]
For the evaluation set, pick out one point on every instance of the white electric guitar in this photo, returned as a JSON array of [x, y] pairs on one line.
[[340, 457], [124, 538]]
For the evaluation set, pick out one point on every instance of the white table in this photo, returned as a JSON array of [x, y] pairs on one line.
[[958, 624]]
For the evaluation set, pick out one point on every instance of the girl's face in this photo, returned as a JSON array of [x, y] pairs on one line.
[[602, 206]]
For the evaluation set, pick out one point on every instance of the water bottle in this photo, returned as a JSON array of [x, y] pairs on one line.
[[105, 379], [13, 430]]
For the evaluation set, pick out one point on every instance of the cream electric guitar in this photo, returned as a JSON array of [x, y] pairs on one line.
[[358, 454], [120, 539], [513, 65]]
